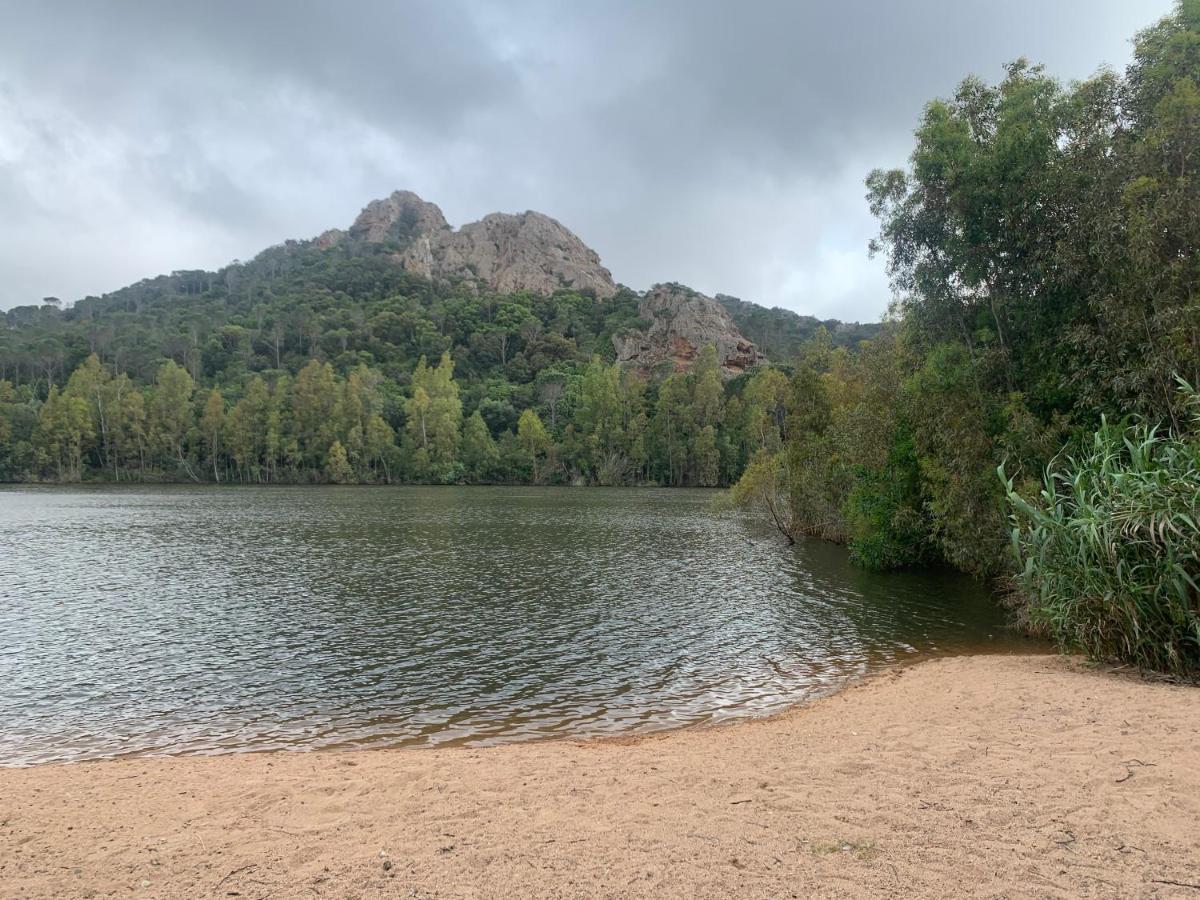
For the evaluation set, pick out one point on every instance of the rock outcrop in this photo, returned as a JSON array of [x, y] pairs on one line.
[[524, 252], [330, 238], [504, 253], [399, 217], [681, 323], [533, 252]]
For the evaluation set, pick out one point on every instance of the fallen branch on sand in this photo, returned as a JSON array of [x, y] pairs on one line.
[[234, 872]]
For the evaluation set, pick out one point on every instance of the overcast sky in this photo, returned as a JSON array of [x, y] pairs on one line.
[[723, 145]]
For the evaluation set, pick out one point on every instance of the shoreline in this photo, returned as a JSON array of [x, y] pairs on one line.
[[994, 774], [630, 737]]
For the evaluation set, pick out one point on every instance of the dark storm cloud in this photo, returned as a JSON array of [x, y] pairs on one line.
[[719, 144]]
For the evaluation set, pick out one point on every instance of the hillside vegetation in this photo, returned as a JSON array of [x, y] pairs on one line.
[[1044, 245], [329, 361]]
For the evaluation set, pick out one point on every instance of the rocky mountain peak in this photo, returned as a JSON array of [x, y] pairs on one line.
[[527, 251], [398, 217], [681, 323]]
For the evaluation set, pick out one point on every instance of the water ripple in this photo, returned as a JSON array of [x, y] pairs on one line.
[[202, 620]]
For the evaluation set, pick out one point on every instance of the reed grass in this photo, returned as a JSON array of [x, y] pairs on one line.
[[1109, 552]]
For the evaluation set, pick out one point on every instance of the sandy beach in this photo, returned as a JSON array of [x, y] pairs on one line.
[[990, 776]]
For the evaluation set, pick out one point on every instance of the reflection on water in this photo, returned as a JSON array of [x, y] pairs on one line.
[[173, 620]]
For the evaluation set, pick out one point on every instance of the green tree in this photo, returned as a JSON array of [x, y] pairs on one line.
[[379, 445], [89, 382], [764, 490], [480, 455], [706, 458], [212, 427], [248, 429], [957, 454], [64, 428], [315, 412], [337, 467], [8, 397], [433, 416], [534, 440], [672, 429], [124, 423], [171, 414], [599, 421], [764, 411]]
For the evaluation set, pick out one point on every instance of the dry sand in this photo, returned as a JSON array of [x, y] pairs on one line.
[[987, 776]]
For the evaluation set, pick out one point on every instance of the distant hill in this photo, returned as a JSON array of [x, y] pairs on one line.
[[780, 333], [399, 349], [511, 295], [503, 253]]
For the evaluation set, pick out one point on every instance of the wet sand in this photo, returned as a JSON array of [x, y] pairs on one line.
[[991, 776]]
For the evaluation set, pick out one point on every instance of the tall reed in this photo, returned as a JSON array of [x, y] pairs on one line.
[[1109, 552]]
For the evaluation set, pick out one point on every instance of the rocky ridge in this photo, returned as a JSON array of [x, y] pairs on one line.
[[681, 322], [527, 251], [530, 251]]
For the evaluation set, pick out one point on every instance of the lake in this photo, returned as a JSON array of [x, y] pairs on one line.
[[205, 619]]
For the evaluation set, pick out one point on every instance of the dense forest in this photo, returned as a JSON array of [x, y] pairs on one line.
[[782, 334], [1028, 411], [311, 364]]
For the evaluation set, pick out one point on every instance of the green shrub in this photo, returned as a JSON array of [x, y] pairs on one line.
[[1110, 552], [883, 511]]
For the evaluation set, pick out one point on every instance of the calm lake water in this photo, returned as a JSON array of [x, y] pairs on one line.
[[201, 620]]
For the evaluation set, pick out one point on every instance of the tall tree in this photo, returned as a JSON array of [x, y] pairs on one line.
[[480, 455], [212, 426], [434, 417], [248, 429], [315, 412], [172, 414], [534, 440]]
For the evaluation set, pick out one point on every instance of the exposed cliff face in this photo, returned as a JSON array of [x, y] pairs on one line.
[[528, 251], [681, 323], [505, 253], [532, 252], [330, 238], [399, 217]]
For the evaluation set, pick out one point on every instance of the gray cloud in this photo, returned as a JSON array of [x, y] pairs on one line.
[[719, 144]]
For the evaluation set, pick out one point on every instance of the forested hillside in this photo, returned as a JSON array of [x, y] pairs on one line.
[[782, 334], [1044, 244], [327, 360]]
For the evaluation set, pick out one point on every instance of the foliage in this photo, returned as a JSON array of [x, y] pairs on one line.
[[252, 373], [763, 490], [604, 425], [337, 468], [1043, 245], [883, 512], [782, 334], [534, 441], [1110, 549], [1051, 231]]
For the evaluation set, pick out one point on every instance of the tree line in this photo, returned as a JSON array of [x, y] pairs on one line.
[[268, 369], [1044, 246], [1032, 391], [592, 423]]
